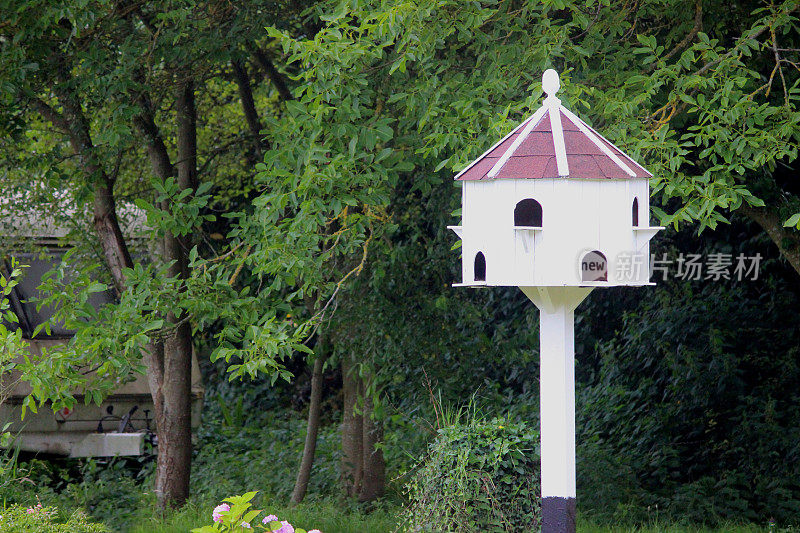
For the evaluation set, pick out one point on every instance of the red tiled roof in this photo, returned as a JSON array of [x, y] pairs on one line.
[[587, 152]]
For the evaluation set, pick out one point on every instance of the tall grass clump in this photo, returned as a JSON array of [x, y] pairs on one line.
[[478, 475]]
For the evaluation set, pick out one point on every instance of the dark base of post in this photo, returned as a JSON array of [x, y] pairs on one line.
[[558, 515]]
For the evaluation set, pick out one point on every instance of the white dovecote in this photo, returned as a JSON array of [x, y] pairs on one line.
[[557, 210], [546, 195]]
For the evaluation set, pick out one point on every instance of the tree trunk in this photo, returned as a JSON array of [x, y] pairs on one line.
[[170, 362], [154, 358], [352, 431], [187, 135], [363, 465], [106, 224], [310, 446], [156, 149], [74, 123], [115, 250], [374, 469], [173, 419], [168, 366], [174, 424]]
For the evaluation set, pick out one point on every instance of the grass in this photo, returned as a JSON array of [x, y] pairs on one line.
[[672, 528], [327, 516], [331, 520], [332, 517]]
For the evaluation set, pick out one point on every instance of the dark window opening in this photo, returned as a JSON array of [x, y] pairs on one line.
[[23, 298], [480, 267], [635, 212], [528, 212], [594, 267]]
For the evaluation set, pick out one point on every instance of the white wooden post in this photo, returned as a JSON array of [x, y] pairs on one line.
[[557, 402]]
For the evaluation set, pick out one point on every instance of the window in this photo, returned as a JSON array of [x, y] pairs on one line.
[[594, 267], [528, 212], [480, 267], [635, 213], [23, 297]]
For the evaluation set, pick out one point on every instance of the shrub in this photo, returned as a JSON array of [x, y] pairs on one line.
[[237, 516], [694, 409], [110, 490], [221, 446], [38, 519], [477, 476]]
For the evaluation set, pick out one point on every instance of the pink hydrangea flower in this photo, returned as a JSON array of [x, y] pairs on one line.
[[218, 510], [314, 531], [30, 510], [286, 527], [246, 525], [269, 518]]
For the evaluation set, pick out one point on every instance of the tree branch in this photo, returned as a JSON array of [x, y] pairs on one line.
[[248, 104], [698, 25], [272, 73], [76, 126], [778, 64], [187, 135], [219, 150], [50, 114], [771, 222], [146, 124]]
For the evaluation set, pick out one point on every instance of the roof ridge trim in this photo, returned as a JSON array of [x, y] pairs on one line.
[[532, 123], [495, 145], [594, 137], [558, 141]]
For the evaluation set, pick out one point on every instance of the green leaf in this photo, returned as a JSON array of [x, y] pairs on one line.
[[794, 221]]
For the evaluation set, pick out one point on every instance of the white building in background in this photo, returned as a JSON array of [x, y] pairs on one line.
[[34, 234]]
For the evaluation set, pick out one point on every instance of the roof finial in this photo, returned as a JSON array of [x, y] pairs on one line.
[[550, 82]]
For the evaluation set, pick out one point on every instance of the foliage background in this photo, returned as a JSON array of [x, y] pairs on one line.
[[688, 392]]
